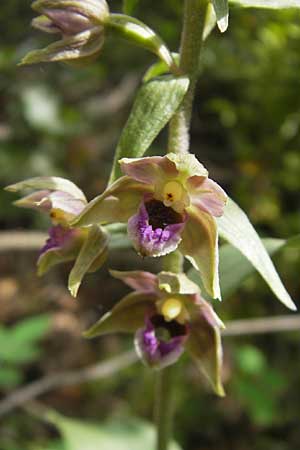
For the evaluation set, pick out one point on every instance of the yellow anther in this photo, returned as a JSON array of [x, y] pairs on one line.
[[171, 308], [172, 192], [58, 216]]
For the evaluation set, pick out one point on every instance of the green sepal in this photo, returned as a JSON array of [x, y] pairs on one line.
[[91, 257], [155, 104], [205, 348], [57, 256], [116, 204], [127, 316], [78, 49], [174, 283], [200, 245]]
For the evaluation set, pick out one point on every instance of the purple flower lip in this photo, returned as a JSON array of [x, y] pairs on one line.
[[156, 229], [160, 343], [58, 238]]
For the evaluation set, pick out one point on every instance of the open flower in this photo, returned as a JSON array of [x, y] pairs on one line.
[[62, 201], [81, 24], [168, 316], [167, 202]]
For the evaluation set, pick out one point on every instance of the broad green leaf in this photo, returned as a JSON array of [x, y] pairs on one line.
[[129, 6], [268, 4], [235, 227], [127, 434], [221, 10], [155, 104], [92, 255]]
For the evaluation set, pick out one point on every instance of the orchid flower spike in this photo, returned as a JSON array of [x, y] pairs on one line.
[[168, 316], [62, 201], [168, 202], [81, 24]]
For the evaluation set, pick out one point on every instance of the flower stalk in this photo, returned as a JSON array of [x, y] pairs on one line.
[[179, 142], [190, 48]]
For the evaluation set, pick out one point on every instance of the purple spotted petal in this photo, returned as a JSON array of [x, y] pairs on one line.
[[156, 352], [151, 240], [59, 237]]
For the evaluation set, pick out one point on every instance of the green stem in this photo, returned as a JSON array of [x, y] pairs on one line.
[[190, 47], [179, 142]]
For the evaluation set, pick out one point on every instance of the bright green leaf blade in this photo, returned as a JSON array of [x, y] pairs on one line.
[[268, 4], [235, 227], [154, 106], [93, 250], [128, 434], [221, 10], [159, 68]]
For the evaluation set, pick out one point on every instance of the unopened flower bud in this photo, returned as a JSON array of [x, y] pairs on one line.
[[81, 24]]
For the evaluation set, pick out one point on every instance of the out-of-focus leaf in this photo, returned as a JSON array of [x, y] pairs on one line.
[[235, 227], [129, 6], [41, 109], [127, 434], [21, 341], [221, 10], [155, 104], [10, 377], [269, 4]]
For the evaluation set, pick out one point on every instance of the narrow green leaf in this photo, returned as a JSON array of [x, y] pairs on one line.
[[155, 104], [268, 4], [235, 268], [235, 227], [221, 10], [129, 6], [125, 434], [94, 250]]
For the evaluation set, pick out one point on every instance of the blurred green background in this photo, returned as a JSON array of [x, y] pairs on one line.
[[56, 120]]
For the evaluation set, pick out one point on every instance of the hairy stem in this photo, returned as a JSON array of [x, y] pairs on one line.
[[179, 142], [190, 47]]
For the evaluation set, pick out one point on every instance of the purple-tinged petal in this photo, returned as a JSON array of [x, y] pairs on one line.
[[50, 184], [116, 204], [65, 203], [38, 200], [207, 195], [200, 245], [149, 170], [126, 316], [155, 351], [68, 22], [154, 234], [138, 280], [62, 245]]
